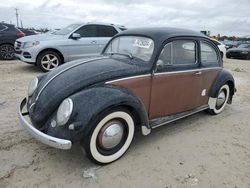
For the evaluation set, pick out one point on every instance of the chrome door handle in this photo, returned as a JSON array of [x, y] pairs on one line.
[[198, 73], [93, 42]]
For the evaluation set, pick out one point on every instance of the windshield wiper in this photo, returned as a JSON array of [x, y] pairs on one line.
[[118, 53]]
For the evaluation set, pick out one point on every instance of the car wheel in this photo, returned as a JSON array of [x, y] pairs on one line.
[[48, 60], [221, 100], [110, 138], [7, 52], [228, 56]]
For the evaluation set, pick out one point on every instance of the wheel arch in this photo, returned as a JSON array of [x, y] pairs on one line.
[[51, 49], [224, 77], [7, 43]]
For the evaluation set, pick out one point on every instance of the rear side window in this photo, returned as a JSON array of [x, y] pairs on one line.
[[87, 31], [208, 54], [106, 31], [179, 52]]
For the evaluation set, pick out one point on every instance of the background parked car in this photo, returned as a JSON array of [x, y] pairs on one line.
[[70, 43], [222, 48], [8, 34], [242, 52], [230, 44], [27, 32]]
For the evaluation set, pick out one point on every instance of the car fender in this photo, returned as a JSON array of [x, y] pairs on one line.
[[89, 103], [43, 48], [223, 78]]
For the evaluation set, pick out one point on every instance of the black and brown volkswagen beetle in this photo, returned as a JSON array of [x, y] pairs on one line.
[[144, 78]]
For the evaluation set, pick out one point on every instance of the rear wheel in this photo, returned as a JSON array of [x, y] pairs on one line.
[[221, 100], [7, 52], [48, 60], [110, 137], [228, 56]]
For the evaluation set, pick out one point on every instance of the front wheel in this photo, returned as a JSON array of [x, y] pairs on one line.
[[48, 60], [110, 138], [221, 100], [7, 52]]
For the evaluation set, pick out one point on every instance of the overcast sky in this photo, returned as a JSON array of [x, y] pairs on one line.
[[227, 17]]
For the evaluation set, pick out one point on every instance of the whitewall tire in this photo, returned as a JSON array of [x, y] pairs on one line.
[[110, 138], [221, 100]]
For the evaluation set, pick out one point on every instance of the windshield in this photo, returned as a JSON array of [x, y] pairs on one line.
[[135, 46], [66, 30], [244, 46]]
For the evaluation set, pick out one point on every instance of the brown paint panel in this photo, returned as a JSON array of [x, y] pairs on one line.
[[208, 78], [138, 86], [174, 92]]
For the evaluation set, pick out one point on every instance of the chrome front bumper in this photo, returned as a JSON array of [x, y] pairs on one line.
[[42, 137]]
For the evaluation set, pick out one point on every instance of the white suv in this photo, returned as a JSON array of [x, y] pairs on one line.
[[70, 43]]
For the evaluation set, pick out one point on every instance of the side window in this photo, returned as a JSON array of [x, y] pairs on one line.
[[208, 54], [106, 31], [165, 56], [179, 52], [87, 31]]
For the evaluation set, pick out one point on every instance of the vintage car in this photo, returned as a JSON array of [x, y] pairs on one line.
[[144, 78]]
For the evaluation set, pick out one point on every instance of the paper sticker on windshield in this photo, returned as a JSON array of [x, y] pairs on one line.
[[142, 43]]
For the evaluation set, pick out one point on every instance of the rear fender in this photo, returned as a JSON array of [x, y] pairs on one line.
[[224, 77]]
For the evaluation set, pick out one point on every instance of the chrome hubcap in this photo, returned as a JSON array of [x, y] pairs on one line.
[[221, 99], [49, 62], [111, 134]]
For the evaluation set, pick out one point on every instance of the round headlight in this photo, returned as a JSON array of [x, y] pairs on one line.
[[32, 86], [64, 111]]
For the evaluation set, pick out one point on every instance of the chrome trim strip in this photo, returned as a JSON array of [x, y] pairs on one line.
[[127, 78], [42, 137], [64, 70], [162, 73], [191, 70], [175, 119]]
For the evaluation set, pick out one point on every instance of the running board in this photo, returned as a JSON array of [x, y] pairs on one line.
[[154, 123]]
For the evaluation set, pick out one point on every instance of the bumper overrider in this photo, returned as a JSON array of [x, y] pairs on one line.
[[42, 137]]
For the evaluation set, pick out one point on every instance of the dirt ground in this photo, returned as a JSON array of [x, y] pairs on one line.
[[198, 151]]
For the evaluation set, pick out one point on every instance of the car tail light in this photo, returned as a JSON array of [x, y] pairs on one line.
[[20, 34]]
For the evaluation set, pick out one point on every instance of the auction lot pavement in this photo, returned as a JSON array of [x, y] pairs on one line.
[[198, 151]]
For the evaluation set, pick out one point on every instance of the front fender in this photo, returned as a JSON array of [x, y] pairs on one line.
[[89, 103]]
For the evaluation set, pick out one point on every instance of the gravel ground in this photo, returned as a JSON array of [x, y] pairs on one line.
[[198, 151]]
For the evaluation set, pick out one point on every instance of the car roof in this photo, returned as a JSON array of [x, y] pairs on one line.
[[162, 33], [99, 23]]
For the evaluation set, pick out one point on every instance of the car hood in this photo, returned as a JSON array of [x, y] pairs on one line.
[[40, 37], [238, 49], [72, 77]]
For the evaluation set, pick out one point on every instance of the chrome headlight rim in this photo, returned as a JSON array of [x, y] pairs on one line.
[[31, 44], [63, 117], [32, 86]]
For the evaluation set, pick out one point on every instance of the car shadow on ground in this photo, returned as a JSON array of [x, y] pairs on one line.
[[26, 68]]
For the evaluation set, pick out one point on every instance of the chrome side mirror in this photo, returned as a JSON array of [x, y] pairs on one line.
[[75, 36]]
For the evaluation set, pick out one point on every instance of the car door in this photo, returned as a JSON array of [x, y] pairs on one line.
[[86, 45], [176, 83], [104, 33], [211, 65]]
